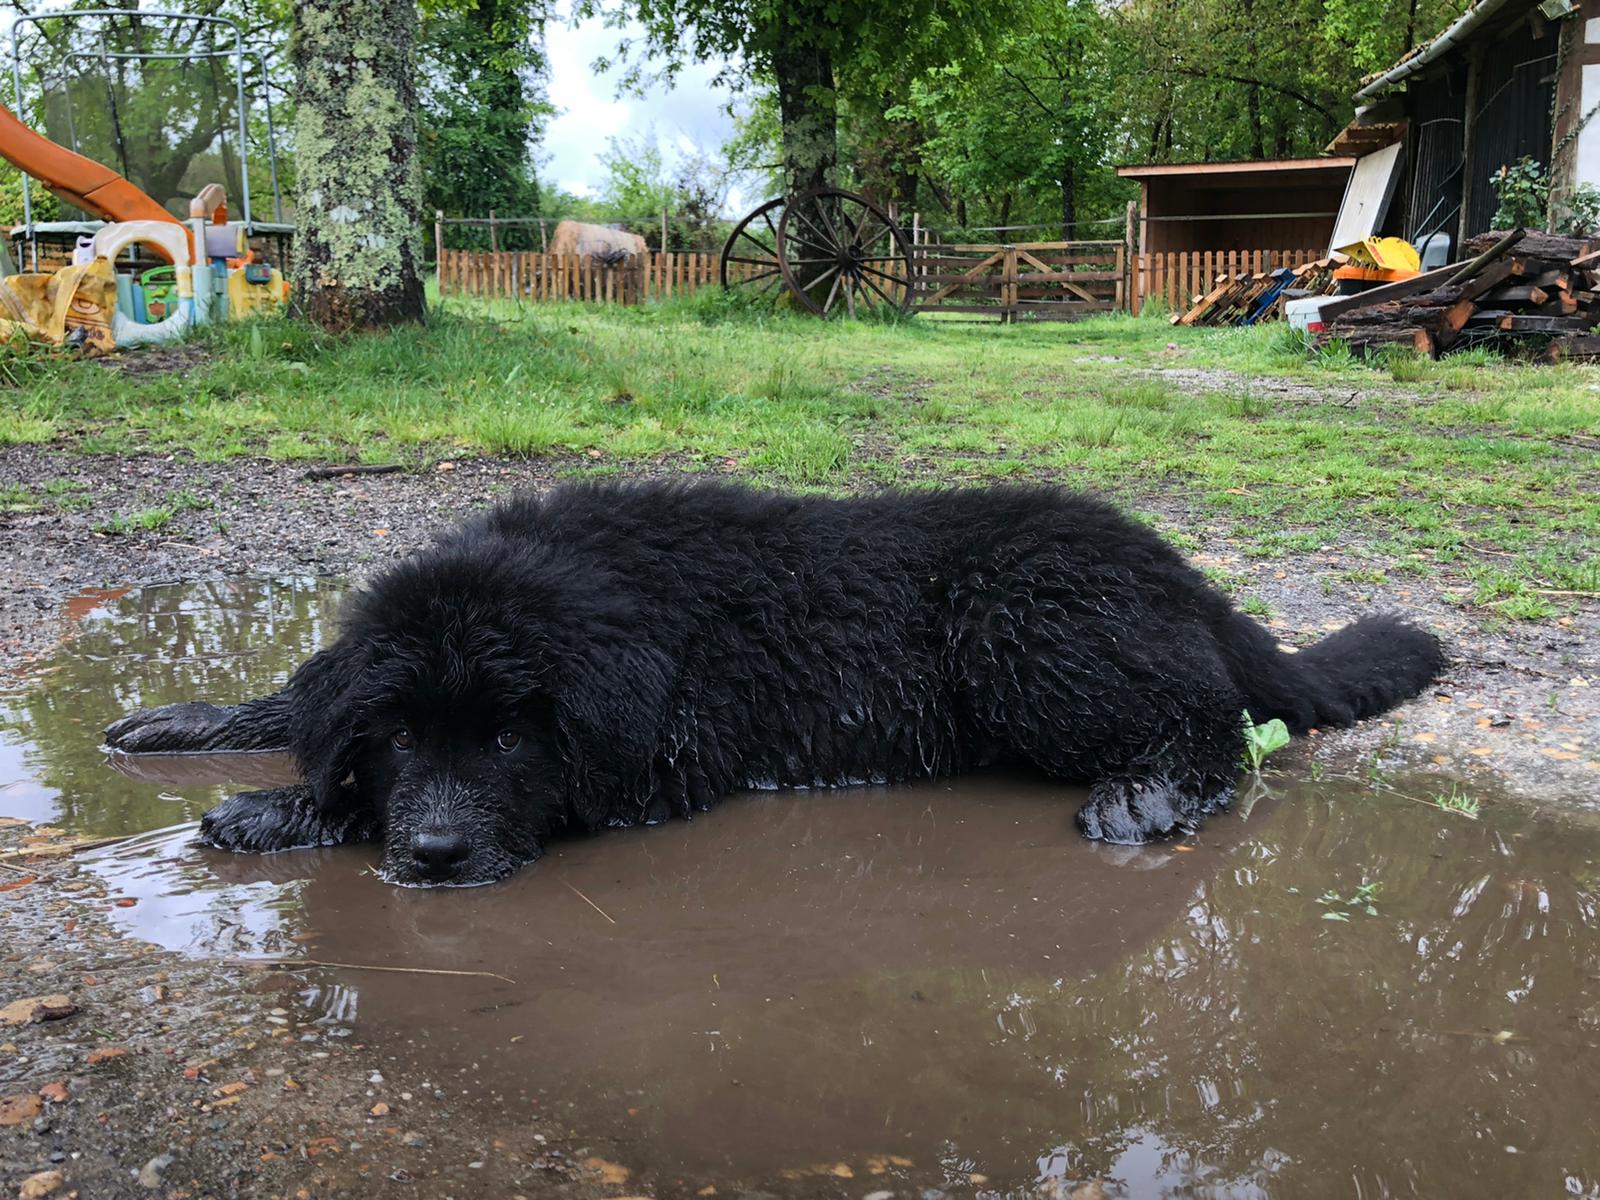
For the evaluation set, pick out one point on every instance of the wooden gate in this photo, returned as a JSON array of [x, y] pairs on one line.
[[1023, 281]]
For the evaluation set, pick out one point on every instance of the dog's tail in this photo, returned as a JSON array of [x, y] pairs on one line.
[[1364, 669]]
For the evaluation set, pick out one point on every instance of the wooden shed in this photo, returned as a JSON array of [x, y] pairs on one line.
[[1285, 203], [1507, 79]]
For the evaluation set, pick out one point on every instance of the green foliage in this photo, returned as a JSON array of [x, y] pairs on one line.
[[1523, 192], [640, 185], [482, 111], [1457, 801], [1032, 121], [1578, 213], [1262, 740], [1340, 908]]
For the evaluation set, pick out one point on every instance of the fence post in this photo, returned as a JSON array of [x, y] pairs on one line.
[[494, 238], [438, 247], [1008, 286]]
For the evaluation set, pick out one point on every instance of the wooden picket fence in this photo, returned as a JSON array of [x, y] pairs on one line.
[[1178, 278], [1026, 281], [1023, 281], [530, 275]]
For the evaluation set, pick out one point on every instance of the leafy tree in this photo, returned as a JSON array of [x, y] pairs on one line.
[[1036, 117], [483, 109], [808, 50]]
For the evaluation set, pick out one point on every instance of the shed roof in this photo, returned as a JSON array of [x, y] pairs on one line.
[[1431, 51], [1260, 166]]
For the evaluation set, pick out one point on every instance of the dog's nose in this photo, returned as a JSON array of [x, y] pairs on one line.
[[438, 855]]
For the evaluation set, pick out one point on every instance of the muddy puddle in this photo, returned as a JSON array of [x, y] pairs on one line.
[[1330, 991]]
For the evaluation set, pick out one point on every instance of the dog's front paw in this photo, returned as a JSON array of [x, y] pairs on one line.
[[171, 729], [280, 819], [1131, 812]]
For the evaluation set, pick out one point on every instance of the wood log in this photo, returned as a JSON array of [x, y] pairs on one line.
[[1582, 348], [1522, 323], [1425, 282], [1537, 245]]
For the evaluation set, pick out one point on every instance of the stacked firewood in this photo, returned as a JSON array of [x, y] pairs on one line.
[[1532, 294], [1259, 296]]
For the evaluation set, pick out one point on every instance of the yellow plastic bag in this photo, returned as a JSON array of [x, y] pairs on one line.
[[50, 307]]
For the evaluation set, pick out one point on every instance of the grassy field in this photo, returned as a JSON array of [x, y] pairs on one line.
[[1489, 468]]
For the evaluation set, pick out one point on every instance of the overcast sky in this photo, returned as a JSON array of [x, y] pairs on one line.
[[590, 112]]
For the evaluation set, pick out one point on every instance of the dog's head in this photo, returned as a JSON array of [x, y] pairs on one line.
[[478, 702]]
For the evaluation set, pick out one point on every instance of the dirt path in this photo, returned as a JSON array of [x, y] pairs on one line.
[[171, 1077]]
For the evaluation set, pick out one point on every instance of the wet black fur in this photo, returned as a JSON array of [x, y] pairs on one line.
[[656, 646]]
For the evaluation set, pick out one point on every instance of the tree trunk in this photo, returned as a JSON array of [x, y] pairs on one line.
[[808, 110], [358, 194], [1069, 200], [1252, 95]]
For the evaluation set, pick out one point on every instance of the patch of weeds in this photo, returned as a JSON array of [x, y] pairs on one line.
[[1333, 355], [15, 498], [148, 520], [803, 454], [1340, 908], [1528, 606], [1457, 801], [1255, 606], [187, 501], [1364, 575], [20, 426], [1404, 365], [68, 495]]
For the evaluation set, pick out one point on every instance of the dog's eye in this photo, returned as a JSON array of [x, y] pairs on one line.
[[401, 739], [508, 740]]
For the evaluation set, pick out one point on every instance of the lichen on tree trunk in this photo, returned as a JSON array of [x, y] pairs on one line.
[[808, 111], [358, 194]]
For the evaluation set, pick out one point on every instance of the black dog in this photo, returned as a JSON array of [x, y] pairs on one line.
[[620, 653]]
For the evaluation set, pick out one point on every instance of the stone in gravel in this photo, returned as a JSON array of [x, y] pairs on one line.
[[37, 1008], [151, 1173], [415, 1140], [54, 1093], [34, 1187], [17, 1110]]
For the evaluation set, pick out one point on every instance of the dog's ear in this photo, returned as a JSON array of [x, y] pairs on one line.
[[327, 702], [610, 707]]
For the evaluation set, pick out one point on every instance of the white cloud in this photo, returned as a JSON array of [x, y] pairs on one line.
[[684, 117]]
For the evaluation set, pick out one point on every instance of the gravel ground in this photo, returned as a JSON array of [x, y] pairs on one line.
[[222, 1088]]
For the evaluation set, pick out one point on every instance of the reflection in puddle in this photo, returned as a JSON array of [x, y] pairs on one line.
[[944, 976]]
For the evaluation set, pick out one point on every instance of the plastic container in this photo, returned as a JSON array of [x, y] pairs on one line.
[[1306, 315]]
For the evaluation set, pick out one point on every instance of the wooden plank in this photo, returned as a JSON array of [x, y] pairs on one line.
[[1520, 323], [968, 276]]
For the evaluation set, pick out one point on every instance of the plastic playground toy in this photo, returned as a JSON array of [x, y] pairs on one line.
[[123, 82]]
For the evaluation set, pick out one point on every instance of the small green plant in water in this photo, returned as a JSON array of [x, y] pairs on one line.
[[1262, 740], [1340, 908], [1457, 801]]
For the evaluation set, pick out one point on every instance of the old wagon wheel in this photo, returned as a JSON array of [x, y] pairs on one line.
[[750, 255], [841, 252]]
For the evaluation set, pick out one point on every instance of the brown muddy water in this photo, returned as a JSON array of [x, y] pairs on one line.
[[1332, 991]]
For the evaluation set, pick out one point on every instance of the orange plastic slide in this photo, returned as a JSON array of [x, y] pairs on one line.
[[79, 181]]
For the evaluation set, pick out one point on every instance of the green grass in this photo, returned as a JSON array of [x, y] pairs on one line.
[[149, 520], [1484, 470]]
